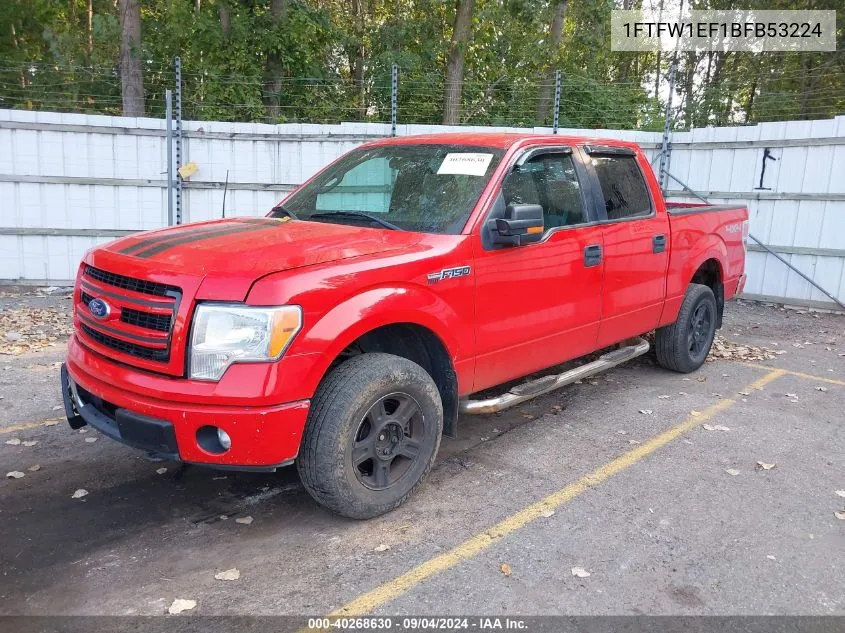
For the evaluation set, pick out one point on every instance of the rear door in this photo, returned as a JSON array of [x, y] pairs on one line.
[[635, 234], [539, 304]]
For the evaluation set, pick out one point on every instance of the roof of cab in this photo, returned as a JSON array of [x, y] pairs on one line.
[[501, 140]]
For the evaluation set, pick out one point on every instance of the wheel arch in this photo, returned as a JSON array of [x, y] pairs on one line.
[[405, 321], [711, 274]]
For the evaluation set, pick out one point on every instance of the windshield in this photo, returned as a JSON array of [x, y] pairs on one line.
[[425, 188]]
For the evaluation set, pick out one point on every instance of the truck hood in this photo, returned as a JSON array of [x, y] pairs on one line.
[[221, 253]]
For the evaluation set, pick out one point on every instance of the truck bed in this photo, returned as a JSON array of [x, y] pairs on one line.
[[700, 232]]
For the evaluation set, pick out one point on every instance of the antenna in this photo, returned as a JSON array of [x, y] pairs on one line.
[[225, 187]]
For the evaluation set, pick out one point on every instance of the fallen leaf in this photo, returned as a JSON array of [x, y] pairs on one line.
[[161, 471], [51, 422], [34, 468], [78, 494], [229, 574], [382, 548], [733, 472], [15, 474], [764, 466], [580, 572], [30, 442], [505, 569], [90, 440], [528, 416], [244, 520], [646, 411], [180, 604], [715, 427], [547, 513], [701, 379]]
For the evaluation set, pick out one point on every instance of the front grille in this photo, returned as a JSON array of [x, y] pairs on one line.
[[160, 355], [138, 318], [128, 283], [156, 314], [148, 320]]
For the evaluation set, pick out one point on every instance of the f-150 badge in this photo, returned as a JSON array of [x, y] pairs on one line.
[[448, 273]]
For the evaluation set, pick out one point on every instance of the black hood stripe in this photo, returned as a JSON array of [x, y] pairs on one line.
[[156, 239], [197, 230], [188, 239]]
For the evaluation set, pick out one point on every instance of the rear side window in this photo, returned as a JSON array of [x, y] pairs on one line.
[[623, 187]]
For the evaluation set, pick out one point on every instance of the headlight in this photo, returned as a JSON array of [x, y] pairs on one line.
[[225, 333]]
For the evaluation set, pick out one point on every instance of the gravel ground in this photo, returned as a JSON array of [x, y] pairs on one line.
[[689, 525]]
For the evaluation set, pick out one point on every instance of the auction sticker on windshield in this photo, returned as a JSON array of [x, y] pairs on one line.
[[465, 163]]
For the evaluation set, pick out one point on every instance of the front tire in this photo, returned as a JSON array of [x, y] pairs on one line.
[[372, 435], [684, 345]]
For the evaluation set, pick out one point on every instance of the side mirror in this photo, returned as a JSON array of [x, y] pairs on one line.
[[522, 224]]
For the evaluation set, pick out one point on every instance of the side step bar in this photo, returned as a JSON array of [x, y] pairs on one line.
[[521, 393]]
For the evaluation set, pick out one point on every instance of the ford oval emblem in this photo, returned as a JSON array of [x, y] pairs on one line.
[[99, 308]]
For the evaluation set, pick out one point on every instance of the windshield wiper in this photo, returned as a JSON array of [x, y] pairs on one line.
[[357, 214], [290, 214]]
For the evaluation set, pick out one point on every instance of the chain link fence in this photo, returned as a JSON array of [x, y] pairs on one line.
[[509, 100]]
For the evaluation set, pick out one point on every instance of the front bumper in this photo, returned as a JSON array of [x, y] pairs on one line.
[[263, 437]]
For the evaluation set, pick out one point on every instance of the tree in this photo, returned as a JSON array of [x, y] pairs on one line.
[[461, 33], [555, 36], [275, 70], [131, 75]]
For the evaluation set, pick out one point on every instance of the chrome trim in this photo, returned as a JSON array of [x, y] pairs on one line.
[[541, 386]]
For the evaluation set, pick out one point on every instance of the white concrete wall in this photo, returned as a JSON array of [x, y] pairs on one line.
[[800, 212], [71, 181]]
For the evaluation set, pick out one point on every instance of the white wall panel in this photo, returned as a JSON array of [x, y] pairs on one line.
[[118, 155]]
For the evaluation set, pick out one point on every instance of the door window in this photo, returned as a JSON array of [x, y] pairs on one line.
[[622, 185], [550, 181]]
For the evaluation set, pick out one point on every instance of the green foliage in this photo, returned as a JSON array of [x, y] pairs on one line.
[[238, 60]]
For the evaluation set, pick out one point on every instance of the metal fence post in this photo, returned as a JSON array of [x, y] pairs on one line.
[[667, 125], [168, 116], [394, 94], [178, 64], [556, 119]]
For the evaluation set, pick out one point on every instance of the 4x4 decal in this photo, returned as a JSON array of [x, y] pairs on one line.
[[448, 273]]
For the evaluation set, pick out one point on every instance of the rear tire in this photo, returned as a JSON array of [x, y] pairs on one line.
[[372, 435], [684, 345]]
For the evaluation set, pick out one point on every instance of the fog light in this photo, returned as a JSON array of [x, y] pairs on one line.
[[224, 439], [213, 439]]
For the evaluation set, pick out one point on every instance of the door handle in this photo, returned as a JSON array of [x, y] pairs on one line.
[[658, 243], [592, 255]]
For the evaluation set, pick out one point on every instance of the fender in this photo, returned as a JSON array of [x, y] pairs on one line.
[[707, 246], [375, 307]]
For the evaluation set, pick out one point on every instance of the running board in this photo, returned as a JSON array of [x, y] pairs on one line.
[[524, 392]]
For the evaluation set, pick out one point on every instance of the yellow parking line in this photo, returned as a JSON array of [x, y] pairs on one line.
[[473, 546], [25, 426], [800, 374]]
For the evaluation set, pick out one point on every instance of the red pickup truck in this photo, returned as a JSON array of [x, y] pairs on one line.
[[347, 330]]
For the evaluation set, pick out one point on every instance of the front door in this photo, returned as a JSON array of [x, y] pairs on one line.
[[539, 305]]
